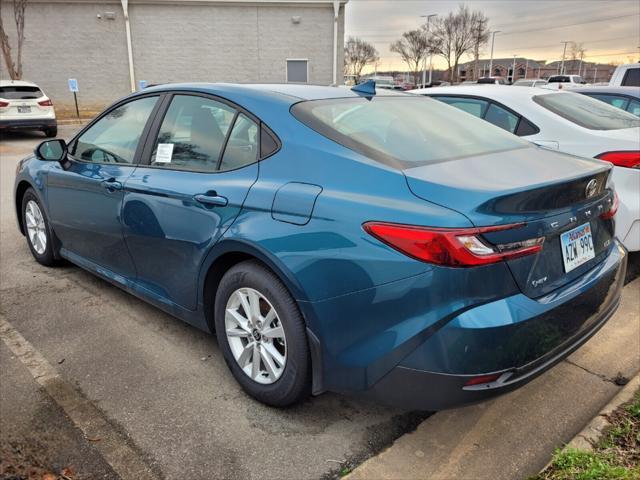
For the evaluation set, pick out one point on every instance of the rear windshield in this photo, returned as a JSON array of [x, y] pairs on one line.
[[587, 112], [404, 131], [20, 93]]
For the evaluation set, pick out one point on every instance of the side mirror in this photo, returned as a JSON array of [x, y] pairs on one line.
[[52, 150]]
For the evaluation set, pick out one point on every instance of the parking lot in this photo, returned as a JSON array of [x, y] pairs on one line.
[[161, 385], [158, 393]]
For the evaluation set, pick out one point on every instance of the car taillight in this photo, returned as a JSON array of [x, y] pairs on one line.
[[3, 104], [613, 210], [628, 158], [46, 103], [452, 247]]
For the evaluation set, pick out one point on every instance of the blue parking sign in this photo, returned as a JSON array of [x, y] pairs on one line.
[[142, 84], [73, 85]]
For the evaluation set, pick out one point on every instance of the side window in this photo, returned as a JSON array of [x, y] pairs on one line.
[[631, 78], [268, 144], [525, 127], [242, 146], [634, 107], [115, 137], [501, 118], [470, 105], [192, 134], [616, 101]]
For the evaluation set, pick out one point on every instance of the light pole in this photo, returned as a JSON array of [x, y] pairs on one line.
[[424, 70], [564, 53], [493, 40], [513, 68]]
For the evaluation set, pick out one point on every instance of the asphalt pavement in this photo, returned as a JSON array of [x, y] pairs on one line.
[[123, 380]]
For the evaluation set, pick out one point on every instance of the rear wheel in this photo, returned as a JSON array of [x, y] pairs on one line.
[[37, 229], [262, 335], [51, 132]]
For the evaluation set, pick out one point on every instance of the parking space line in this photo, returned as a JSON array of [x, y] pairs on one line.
[[114, 446]]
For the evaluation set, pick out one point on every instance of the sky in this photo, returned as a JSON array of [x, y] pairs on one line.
[[609, 30]]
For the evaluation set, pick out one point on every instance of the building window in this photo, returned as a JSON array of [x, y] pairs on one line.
[[521, 72], [297, 71], [496, 72]]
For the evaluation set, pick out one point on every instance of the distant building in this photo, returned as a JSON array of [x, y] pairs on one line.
[[175, 40], [530, 68]]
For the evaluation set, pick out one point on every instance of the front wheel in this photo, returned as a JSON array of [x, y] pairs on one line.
[[51, 131], [262, 335], [37, 229]]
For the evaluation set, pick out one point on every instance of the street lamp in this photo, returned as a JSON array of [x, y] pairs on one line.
[[513, 68], [493, 40], [424, 70]]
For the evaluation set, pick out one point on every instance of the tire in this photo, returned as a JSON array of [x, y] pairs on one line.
[[51, 132], [45, 255], [277, 387]]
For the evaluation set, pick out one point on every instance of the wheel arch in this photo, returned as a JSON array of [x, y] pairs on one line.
[[21, 188]]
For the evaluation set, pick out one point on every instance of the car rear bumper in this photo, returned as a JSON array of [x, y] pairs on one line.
[[518, 338], [27, 123]]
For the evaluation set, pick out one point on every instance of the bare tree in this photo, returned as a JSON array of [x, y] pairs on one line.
[[412, 47], [14, 68], [459, 33], [358, 54]]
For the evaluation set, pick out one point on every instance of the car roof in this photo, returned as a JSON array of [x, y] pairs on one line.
[[294, 92], [631, 91], [17, 83]]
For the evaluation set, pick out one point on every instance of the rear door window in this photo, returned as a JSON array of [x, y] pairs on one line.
[[192, 134], [20, 92], [634, 107], [587, 112], [242, 146]]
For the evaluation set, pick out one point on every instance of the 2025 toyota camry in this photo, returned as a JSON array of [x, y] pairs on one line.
[[335, 239]]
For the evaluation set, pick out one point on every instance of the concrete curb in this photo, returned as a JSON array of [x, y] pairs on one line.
[[594, 429]]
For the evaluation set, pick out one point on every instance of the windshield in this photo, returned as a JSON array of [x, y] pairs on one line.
[[20, 93], [404, 131], [587, 112]]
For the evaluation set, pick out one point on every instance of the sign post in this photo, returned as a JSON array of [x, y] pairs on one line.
[[73, 87]]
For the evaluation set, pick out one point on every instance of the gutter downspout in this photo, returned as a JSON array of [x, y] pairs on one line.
[[127, 26], [336, 14]]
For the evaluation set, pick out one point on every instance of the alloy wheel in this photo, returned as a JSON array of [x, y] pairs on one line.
[[36, 228], [255, 335]]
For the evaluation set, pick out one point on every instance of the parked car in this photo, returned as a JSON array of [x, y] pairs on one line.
[[626, 76], [492, 80], [571, 123], [530, 82], [24, 106], [625, 98], [336, 239], [565, 81], [435, 83]]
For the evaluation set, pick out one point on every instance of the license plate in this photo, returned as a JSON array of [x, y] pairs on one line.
[[577, 247], [24, 109]]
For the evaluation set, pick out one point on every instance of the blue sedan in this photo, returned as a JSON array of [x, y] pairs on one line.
[[336, 239]]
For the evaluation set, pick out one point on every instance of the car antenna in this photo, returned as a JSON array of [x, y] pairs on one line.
[[368, 87]]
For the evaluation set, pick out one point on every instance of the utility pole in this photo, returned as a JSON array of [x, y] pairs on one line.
[[424, 69], [595, 74], [513, 68], [564, 53], [493, 40], [526, 68], [581, 59], [476, 50]]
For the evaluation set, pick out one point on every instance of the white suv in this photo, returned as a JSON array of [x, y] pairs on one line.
[[24, 106]]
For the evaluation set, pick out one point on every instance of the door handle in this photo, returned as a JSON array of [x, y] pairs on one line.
[[213, 200], [111, 184]]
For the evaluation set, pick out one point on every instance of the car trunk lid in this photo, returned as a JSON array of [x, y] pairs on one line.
[[546, 194]]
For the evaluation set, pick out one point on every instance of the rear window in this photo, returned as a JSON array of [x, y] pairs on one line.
[[587, 112], [20, 93], [404, 131], [559, 79]]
